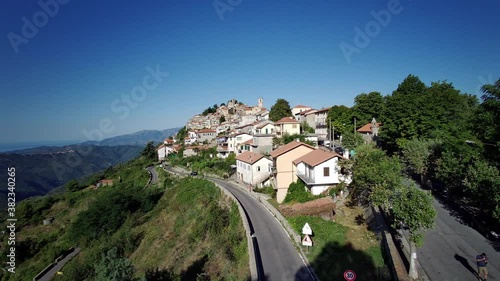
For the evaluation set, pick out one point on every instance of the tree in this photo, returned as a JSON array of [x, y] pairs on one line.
[[340, 118], [113, 268], [72, 186], [304, 126], [482, 181], [351, 139], [222, 104], [368, 106], [417, 154], [400, 111], [222, 119], [279, 110], [149, 151], [413, 207], [487, 123], [374, 175]]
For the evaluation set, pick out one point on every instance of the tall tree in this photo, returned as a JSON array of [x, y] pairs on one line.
[[401, 109], [368, 106], [413, 207], [487, 123], [149, 151], [417, 155], [340, 117], [279, 110]]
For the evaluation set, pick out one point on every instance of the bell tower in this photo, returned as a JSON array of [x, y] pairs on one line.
[[260, 102]]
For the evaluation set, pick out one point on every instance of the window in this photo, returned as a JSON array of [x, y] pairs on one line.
[[294, 126], [258, 168], [238, 138], [326, 171]]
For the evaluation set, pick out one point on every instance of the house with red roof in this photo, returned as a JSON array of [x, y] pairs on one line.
[[298, 109], [284, 169], [320, 170], [253, 169], [370, 131], [287, 125]]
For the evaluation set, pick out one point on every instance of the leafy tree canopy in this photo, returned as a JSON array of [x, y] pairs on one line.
[[368, 106], [341, 119], [279, 110]]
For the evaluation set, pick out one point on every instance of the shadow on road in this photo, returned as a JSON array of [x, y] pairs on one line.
[[466, 264], [334, 259]]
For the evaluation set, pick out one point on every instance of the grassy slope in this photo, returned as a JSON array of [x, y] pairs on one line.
[[190, 229]]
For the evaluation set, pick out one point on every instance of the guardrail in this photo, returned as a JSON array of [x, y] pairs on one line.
[[50, 266]]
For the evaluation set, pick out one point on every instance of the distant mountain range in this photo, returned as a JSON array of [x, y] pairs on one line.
[[41, 169]]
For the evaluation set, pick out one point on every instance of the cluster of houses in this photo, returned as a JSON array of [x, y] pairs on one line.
[[248, 133], [318, 168]]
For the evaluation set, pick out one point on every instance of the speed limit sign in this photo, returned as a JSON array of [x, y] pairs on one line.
[[349, 275]]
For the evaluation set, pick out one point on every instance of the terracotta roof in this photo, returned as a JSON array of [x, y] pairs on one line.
[[206, 131], [316, 157], [306, 111], [286, 120], [160, 147], [322, 110], [263, 124], [287, 147], [249, 157], [169, 141], [367, 128], [302, 106]]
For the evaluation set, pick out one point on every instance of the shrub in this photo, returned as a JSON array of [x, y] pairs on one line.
[[297, 193]]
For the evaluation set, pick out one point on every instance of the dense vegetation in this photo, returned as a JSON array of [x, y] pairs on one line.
[[177, 229], [205, 162]]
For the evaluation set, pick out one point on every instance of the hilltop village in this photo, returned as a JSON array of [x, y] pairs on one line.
[[263, 158]]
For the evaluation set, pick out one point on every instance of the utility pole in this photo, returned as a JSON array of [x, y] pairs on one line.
[[354, 125]]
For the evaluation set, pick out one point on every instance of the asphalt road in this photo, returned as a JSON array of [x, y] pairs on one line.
[[276, 257], [50, 274], [280, 260], [450, 249], [152, 171]]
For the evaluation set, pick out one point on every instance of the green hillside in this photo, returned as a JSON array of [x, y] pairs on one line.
[[176, 229]]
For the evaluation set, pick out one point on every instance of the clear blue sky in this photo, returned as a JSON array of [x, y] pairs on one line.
[[65, 78]]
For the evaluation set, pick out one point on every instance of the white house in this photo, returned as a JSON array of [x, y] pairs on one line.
[[234, 140], [319, 170], [163, 151], [253, 169], [206, 135], [298, 109], [264, 128]]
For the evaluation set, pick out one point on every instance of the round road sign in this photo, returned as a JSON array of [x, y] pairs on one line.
[[349, 275]]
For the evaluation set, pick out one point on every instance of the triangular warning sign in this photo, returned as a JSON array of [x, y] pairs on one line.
[[307, 241]]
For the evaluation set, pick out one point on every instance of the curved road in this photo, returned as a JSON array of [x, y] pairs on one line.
[[152, 172], [276, 254], [450, 250]]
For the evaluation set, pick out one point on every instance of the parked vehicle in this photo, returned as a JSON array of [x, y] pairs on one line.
[[194, 173]]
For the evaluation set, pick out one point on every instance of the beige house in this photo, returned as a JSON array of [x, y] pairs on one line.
[[287, 125], [285, 171], [264, 128]]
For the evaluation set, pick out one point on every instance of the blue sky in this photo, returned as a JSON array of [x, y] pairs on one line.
[[90, 55]]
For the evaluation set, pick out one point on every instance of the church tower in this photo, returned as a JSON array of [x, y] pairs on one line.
[[260, 102]]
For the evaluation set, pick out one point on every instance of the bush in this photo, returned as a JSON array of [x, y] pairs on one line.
[[297, 193], [269, 190]]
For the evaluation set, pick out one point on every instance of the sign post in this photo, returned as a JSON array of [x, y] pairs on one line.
[[349, 275], [307, 241]]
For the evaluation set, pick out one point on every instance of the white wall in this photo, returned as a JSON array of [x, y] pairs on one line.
[[250, 174]]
